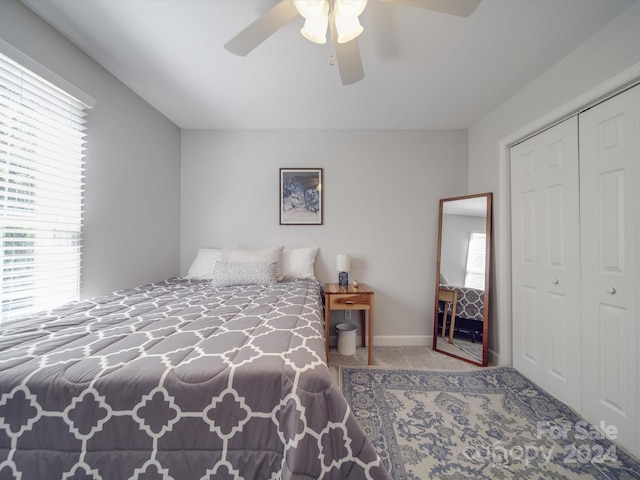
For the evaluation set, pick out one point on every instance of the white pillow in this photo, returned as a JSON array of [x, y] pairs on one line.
[[228, 274], [202, 266], [261, 255], [299, 262]]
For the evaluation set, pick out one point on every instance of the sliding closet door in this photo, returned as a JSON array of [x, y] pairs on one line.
[[546, 260], [610, 186]]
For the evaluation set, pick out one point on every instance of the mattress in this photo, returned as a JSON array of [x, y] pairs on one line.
[[178, 380]]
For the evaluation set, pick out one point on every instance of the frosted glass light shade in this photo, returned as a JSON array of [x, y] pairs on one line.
[[348, 28], [350, 8], [315, 29], [343, 263], [311, 8], [316, 15], [346, 19]]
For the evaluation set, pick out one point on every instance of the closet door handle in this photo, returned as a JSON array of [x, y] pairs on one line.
[[611, 290], [555, 281]]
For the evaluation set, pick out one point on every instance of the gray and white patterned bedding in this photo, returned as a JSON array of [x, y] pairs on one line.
[[178, 380], [470, 304]]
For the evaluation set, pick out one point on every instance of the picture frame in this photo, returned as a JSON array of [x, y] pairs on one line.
[[301, 197]]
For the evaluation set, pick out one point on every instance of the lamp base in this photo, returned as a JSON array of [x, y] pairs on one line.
[[343, 279]]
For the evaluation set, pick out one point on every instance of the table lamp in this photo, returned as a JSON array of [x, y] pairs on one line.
[[343, 267]]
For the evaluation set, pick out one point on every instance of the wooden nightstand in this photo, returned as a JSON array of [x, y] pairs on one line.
[[349, 298]]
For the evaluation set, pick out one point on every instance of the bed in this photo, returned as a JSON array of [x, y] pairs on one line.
[[469, 310], [179, 379]]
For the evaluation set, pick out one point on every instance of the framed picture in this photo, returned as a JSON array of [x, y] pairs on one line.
[[301, 196]]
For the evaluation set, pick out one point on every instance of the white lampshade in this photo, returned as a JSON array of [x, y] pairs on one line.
[[315, 29], [311, 8], [350, 8], [316, 15], [343, 263], [346, 19], [348, 28]]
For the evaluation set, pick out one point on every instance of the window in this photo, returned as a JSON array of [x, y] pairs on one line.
[[474, 277], [41, 152]]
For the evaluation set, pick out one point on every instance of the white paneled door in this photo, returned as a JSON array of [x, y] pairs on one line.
[[575, 219], [546, 260], [610, 219]]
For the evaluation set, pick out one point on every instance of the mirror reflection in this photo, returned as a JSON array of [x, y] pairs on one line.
[[461, 310]]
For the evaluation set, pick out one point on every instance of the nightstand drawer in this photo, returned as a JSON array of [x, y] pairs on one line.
[[355, 301]]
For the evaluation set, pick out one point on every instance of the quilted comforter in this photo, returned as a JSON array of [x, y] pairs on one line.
[[470, 303], [178, 380]]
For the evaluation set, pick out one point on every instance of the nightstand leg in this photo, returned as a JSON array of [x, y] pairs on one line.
[[363, 327], [371, 335], [327, 316]]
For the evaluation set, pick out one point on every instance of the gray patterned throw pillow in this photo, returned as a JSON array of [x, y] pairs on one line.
[[228, 274]]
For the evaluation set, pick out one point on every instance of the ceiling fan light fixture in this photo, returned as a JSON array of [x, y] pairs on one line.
[[346, 18], [316, 15], [315, 29], [349, 8], [311, 8], [348, 28]]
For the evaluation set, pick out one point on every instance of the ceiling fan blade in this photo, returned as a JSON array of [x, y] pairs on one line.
[[348, 57], [258, 31], [460, 8]]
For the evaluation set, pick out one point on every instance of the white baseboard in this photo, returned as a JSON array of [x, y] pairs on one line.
[[392, 340], [494, 358], [409, 341], [403, 340]]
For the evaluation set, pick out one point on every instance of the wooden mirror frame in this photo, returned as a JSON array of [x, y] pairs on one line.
[[467, 357]]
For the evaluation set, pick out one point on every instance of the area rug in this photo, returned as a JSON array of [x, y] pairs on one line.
[[483, 424]]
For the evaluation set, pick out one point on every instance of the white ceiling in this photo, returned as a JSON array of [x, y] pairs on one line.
[[423, 69]]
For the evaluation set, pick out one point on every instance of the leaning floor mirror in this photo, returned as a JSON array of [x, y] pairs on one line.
[[461, 312]]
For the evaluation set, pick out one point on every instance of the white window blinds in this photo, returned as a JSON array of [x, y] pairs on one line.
[[41, 152], [474, 277]]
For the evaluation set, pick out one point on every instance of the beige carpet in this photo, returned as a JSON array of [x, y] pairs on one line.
[[413, 358]]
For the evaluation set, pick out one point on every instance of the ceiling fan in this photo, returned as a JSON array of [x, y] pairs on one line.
[[341, 18]]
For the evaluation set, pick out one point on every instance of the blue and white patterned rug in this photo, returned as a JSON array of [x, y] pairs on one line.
[[484, 424]]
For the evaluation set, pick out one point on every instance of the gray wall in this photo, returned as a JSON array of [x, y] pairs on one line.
[[132, 188], [611, 51], [381, 192]]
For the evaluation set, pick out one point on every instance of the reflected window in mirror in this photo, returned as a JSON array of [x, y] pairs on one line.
[[474, 277]]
